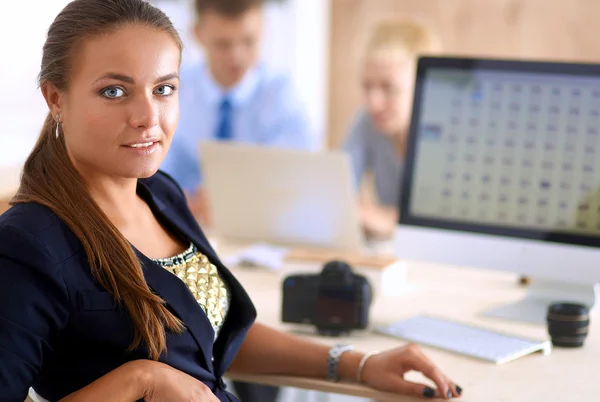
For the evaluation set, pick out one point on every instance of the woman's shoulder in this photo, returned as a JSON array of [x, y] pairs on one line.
[[31, 230], [362, 125], [362, 121], [361, 131], [29, 217]]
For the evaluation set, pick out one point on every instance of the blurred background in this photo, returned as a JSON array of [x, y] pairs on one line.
[[316, 43], [296, 42]]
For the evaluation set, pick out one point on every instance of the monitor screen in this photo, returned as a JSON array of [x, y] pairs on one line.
[[508, 148]]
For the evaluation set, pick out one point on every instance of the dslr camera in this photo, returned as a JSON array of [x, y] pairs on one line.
[[335, 301]]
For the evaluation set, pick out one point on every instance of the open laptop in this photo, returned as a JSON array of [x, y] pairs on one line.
[[281, 196]]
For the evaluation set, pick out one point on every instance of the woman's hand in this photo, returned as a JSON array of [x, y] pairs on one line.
[[385, 371], [378, 222], [166, 384]]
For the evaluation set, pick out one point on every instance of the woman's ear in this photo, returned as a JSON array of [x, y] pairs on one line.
[[53, 97]]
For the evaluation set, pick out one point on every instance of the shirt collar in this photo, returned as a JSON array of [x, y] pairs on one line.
[[239, 94]]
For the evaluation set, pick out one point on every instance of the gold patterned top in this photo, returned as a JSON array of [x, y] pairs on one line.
[[204, 281]]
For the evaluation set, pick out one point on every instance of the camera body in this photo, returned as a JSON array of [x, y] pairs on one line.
[[335, 301]]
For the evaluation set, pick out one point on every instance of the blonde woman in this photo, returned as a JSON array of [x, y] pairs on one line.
[[376, 141]]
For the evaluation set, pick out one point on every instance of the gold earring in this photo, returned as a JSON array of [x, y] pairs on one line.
[[57, 124]]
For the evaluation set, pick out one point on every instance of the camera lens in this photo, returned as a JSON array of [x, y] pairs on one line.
[[568, 324]]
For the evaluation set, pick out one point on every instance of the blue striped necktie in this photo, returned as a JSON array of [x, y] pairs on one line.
[[225, 129]]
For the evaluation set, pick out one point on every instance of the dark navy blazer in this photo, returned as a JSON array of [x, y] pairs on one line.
[[60, 331]]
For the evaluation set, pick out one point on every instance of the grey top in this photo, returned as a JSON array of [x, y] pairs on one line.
[[372, 151]]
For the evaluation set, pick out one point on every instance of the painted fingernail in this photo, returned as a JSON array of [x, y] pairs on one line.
[[459, 390], [449, 394], [428, 392]]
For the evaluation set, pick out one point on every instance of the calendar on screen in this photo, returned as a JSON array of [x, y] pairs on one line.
[[509, 149]]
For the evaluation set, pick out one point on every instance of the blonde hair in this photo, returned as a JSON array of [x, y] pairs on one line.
[[405, 37]]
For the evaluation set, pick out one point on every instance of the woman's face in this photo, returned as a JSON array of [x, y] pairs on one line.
[[121, 108], [387, 88]]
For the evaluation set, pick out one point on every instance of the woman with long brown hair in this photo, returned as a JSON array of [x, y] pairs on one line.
[[109, 290]]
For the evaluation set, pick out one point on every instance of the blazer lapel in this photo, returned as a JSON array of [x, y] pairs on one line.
[[175, 292], [239, 318], [180, 300]]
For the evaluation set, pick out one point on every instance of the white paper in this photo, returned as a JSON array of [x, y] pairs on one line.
[[259, 255]]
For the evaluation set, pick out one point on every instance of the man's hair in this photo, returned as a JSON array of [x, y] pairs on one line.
[[230, 8]]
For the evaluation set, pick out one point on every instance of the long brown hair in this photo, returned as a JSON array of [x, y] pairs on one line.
[[50, 179]]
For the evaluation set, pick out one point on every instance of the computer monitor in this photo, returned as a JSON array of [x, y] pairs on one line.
[[503, 172]]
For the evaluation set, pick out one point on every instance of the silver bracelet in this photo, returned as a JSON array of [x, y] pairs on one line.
[[362, 363]]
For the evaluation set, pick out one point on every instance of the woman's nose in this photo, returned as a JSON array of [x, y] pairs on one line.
[[375, 101], [144, 113]]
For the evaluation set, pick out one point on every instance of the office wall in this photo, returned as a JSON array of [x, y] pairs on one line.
[[22, 109], [534, 29], [311, 61]]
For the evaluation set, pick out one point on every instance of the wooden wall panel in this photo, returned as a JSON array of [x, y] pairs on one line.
[[9, 184], [4, 205], [531, 29]]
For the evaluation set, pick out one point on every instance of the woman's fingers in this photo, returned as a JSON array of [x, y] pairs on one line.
[[420, 362], [456, 390], [404, 387], [386, 372]]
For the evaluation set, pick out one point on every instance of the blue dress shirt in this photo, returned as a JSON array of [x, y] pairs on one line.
[[264, 111]]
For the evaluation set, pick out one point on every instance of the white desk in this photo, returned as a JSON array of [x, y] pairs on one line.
[[564, 375]]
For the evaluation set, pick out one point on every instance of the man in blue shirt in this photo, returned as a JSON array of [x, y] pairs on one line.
[[231, 96]]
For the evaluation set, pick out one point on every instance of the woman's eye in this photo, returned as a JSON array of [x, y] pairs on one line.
[[164, 90], [113, 92]]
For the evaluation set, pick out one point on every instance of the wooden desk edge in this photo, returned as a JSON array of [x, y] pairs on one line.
[[357, 260], [344, 388]]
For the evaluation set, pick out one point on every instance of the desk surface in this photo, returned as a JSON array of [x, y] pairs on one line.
[[454, 293]]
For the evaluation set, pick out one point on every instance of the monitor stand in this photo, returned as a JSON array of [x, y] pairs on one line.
[[540, 294]]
